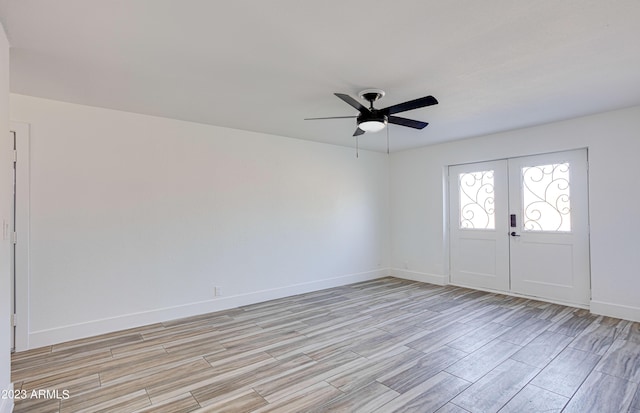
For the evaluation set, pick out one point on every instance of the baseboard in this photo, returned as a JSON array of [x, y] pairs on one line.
[[95, 327], [6, 404], [420, 276], [615, 310]]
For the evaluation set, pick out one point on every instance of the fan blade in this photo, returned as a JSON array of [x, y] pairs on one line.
[[412, 104], [351, 101], [416, 124], [333, 117], [358, 132]]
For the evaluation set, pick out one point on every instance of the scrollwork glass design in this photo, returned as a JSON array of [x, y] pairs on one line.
[[477, 200], [546, 200]]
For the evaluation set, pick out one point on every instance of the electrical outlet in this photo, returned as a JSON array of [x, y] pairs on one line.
[[216, 291]]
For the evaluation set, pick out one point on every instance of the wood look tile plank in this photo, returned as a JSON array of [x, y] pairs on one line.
[[363, 400], [520, 315], [541, 350], [200, 347], [171, 363], [285, 385], [596, 338], [482, 361], [394, 340], [79, 363], [555, 312], [575, 324], [413, 320], [183, 403], [98, 344], [245, 402], [36, 406], [521, 334], [144, 365], [29, 355], [440, 337], [443, 320], [415, 372], [213, 390], [496, 388], [328, 326], [429, 396], [602, 393], [219, 316], [337, 338], [158, 340], [635, 404], [451, 408], [300, 316], [234, 364], [630, 332], [533, 399], [417, 306], [372, 369], [303, 400], [345, 339], [622, 360], [127, 402], [72, 383], [489, 313], [566, 372], [162, 381], [475, 339]]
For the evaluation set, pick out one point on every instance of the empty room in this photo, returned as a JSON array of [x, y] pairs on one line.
[[292, 206]]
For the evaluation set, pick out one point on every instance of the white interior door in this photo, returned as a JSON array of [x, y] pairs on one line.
[[521, 225], [478, 206], [550, 242]]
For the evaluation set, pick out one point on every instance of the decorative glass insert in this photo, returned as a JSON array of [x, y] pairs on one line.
[[477, 209], [545, 196]]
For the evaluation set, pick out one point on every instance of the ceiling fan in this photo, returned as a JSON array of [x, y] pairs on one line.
[[373, 120]]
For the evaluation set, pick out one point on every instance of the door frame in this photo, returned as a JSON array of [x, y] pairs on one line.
[[22, 213], [446, 223]]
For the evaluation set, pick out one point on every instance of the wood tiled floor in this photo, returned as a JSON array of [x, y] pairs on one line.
[[388, 345]]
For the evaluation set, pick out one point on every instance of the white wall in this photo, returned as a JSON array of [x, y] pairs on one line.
[[135, 218], [6, 195], [419, 245]]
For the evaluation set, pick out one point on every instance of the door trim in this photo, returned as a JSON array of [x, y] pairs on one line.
[[22, 217]]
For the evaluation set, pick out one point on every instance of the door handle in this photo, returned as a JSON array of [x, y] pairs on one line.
[[513, 234]]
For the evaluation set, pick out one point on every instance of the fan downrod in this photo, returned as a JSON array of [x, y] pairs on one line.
[[371, 95]]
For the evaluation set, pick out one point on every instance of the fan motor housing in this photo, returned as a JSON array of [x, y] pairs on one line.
[[373, 116]]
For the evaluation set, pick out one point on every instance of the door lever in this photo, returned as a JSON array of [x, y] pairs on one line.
[[513, 234]]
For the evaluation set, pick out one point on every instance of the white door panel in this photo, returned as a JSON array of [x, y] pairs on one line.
[[550, 257], [479, 248]]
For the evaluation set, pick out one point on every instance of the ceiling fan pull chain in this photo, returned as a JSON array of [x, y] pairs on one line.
[[357, 148], [387, 141]]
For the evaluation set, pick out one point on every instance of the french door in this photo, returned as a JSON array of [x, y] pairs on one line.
[[521, 225]]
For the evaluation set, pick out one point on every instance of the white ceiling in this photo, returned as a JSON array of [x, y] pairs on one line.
[[265, 65]]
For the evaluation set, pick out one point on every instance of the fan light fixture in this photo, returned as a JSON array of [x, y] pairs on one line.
[[372, 125]]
